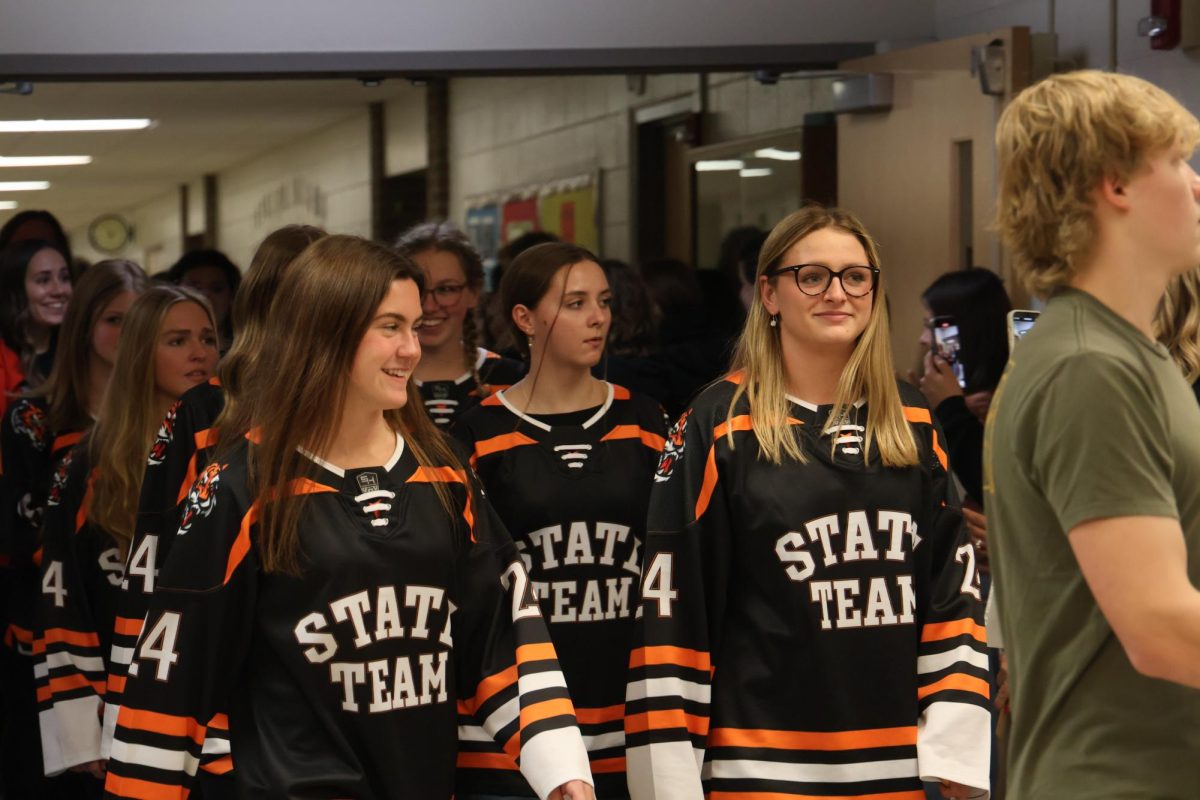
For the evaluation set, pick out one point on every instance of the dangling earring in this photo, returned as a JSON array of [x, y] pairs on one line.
[[774, 320]]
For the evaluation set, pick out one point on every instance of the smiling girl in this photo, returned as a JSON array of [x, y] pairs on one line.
[[455, 373], [35, 285], [168, 345], [810, 605]]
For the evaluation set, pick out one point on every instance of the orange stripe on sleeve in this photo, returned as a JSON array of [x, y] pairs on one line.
[[620, 392], [486, 761], [143, 790], [674, 656], [965, 683], [666, 720], [558, 707], [806, 740], [651, 440], [488, 688], [65, 441], [64, 636], [913, 414], [219, 766], [163, 724], [528, 653], [241, 545], [68, 683], [937, 631], [940, 453], [595, 716], [127, 626], [219, 722], [116, 683], [608, 765]]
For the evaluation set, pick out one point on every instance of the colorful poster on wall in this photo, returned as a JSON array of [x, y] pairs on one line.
[[519, 216], [571, 215], [483, 228]]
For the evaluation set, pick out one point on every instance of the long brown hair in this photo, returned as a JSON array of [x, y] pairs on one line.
[[250, 307], [868, 374], [1177, 323], [130, 417], [67, 390], [323, 309], [445, 237]]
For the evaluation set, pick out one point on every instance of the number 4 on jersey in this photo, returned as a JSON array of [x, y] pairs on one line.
[[141, 564], [159, 644], [52, 583], [658, 586]]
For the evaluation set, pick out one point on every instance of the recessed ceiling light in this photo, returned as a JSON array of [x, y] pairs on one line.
[[778, 154], [44, 161], [725, 165], [57, 125], [754, 172], [7, 205], [23, 186]]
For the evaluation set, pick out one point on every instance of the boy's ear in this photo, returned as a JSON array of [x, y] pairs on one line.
[[1112, 192]]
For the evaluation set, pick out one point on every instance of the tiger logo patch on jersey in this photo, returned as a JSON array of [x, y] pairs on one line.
[[59, 481], [29, 421], [158, 451], [202, 497], [672, 449]]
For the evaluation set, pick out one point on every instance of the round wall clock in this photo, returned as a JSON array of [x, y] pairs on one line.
[[109, 233]]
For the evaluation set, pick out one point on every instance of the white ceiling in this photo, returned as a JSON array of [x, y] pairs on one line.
[[201, 127]]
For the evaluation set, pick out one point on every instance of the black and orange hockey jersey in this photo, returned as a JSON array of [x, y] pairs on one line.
[[572, 489], [447, 400], [808, 630], [347, 680], [178, 455], [81, 568], [30, 452]]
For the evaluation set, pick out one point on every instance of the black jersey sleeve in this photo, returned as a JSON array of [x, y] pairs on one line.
[[191, 647], [953, 736], [24, 456], [175, 459], [513, 690], [684, 578], [69, 667]]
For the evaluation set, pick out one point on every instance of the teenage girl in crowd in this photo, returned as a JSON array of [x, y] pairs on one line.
[[185, 439], [455, 373], [567, 461], [812, 624], [38, 430], [168, 345], [320, 561], [211, 273], [35, 285]]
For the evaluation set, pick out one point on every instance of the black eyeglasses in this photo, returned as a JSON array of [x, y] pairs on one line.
[[815, 279], [445, 294]]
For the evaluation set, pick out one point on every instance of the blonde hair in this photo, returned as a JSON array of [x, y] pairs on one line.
[[130, 416], [869, 374], [324, 307], [1056, 142], [1177, 324]]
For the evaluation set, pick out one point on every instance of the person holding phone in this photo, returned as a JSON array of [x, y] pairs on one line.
[[972, 301]]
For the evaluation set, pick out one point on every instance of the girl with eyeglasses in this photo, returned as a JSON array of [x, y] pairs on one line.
[[567, 460], [811, 623], [455, 373]]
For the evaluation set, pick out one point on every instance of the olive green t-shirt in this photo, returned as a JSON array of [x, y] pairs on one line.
[[1091, 420]]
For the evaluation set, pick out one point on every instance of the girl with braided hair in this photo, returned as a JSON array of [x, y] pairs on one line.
[[455, 373]]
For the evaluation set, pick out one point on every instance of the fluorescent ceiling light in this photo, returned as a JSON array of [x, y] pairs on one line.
[[754, 172], [777, 154], [7, 205], [23, 186], [44, 161], [58, 125], [719, 166]]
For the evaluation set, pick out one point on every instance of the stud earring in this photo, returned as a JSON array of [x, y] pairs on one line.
[[774, 320]]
